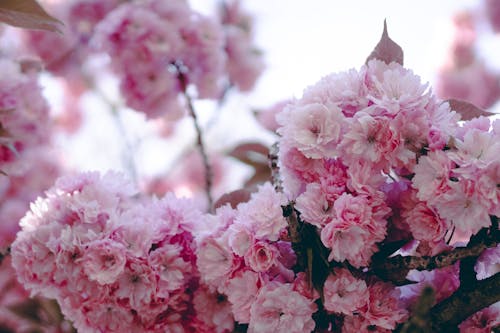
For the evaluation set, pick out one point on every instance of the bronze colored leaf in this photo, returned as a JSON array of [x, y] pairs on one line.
[[467, 110], [27, 14], [387, 50], [233, 198]]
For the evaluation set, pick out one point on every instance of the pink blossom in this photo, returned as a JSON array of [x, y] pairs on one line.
[[474, 83], [483, 321], [370, 139], [343, 293], [348, 242], [277, 308], [314, 207], [493, 13], [444, 281], [432, 175], [172, 270], [353, 210], [383, 308], [244, 60], [261, 256], [240, 238], [359, 324], [394, 89], [488, 263], [424, 223], [463, 206], [346, 90], [241, 291], [314, 129], [213, 310], [214, 260], [103, 261], [136, 285], [301, 284], [263, 213]]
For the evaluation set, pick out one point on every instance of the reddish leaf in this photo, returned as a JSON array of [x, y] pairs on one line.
[[261, 175], [27, 14], [233, 198], [467, 110], [387, 50], [253, 153], [30, 65]]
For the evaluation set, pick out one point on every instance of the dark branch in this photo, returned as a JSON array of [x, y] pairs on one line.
[[466, 301], [199, 140], [396, 268]]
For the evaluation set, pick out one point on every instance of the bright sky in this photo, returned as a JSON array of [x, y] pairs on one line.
[[302, 41]]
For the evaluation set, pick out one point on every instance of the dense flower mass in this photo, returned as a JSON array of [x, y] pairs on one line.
[[383, 203], [113, 261]]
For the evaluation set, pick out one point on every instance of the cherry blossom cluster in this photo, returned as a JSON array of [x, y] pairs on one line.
[[465, 73], [371, 156], [159, 48], [24, 115], [25, 135], [114, 261], [245, 258]]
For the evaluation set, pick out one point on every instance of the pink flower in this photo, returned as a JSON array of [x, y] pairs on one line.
[[463, 207], [313, 206], [103, 261], [359, 324], [346, 90], [213, 310], [394, 88], [343, 293], [483, 321], [488, 263], [278, 308], [136, 285], [314, 129], [348, 242], [241, 291], [425, 224], [263, 213], [383, 308], [240, 238], [261, 256], [432, 174], [215, 260], [353, 210], [370, 139], [172, 270]]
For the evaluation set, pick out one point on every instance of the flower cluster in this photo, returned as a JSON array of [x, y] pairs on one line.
[[158, 48], [24, 116], [113, 261], [371, 156], [244, 258]]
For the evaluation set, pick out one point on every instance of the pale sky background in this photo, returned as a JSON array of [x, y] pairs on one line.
[[302, 41]]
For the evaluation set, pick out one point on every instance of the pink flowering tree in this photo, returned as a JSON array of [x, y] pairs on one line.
[[375, 211]]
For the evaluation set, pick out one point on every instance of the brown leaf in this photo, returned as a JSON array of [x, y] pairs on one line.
[[233, 198], [27, 14], [387, 50], [467, 110], [253, 153]]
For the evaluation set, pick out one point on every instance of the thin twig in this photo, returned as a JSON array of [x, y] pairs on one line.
[[199, 141], [127, 154]]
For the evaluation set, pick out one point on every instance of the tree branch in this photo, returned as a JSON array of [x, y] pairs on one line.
[[396, 268], [199, 140], [466, 301]]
